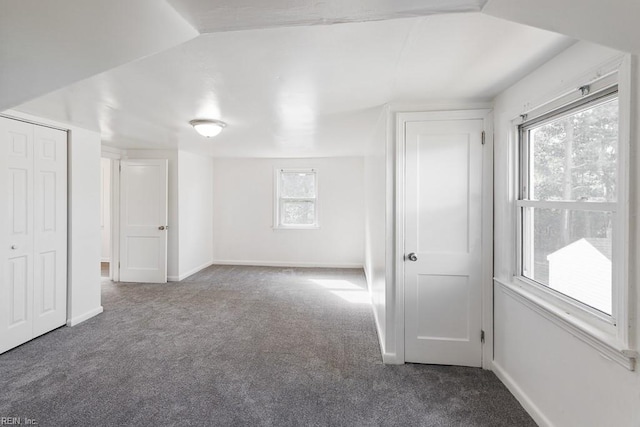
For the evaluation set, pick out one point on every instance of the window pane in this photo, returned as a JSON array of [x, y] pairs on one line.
[[574, 157], [298, 184], [570, 251], [298, 213]]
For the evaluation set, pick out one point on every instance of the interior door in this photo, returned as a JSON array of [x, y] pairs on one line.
[[143, 221], [33, 231], [16, 223], [50, 229], [443, 241]]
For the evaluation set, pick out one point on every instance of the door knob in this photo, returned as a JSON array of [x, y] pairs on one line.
[[412, 256], [14, 247], [162, 227]]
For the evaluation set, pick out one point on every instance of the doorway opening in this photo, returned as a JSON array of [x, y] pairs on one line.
[[105, 218]]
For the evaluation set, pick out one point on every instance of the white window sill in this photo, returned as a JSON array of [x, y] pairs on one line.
[[605, 343], [296, 227]]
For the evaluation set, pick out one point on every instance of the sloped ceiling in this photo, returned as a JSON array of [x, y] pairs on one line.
[[612, 23], [46, 45], [227, 15], [299, 91]]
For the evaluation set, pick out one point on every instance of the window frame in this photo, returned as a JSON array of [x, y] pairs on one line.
[[279, 199], [611, 335], [523, 201]]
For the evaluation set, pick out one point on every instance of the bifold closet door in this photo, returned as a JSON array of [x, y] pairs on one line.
[[33, 231]]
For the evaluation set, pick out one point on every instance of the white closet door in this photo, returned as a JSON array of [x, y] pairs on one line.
[[16, 223], [33, 231], [50, 229]]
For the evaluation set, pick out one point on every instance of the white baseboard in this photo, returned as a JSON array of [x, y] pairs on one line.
[[284, 264], [189, 273], [387, 358], [86, 316], [521, 396]]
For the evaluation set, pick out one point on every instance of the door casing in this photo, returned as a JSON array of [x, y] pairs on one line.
[[487, 223]]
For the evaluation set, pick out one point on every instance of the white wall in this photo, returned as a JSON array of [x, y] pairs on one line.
[[83, 269], [375, 205], [559, 378], [105, 208], [243, 196], [84, 225], [173, 242], [195, 195]]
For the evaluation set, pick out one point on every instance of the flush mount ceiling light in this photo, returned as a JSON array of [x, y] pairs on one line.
[[208, 128]]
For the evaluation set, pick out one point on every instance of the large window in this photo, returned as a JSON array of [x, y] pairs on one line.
[[296, 198], [568, 199]]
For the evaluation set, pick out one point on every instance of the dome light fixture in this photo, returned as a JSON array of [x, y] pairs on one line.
[[208, 127]]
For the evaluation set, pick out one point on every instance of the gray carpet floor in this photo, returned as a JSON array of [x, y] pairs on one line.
[[240, 346]]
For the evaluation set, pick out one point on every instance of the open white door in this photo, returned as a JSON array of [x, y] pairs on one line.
[[143, 221], [443, 242]]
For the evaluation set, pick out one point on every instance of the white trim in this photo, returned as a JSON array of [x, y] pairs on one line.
[[487, 222], [487, 242], [526, 402], [619, 338], [387, 358], [111, 152], [404, 107], [604, 343], [607, 79], [86, 316], [257, 263], [277, 199], [27, 118], [191, 272], [114, 267], [398, 262], [623, 296], [566, 303], [583, 206], [105, 259], [558, 95], [39, 121]]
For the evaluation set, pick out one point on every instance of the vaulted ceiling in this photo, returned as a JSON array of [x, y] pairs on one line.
[[288, 83]]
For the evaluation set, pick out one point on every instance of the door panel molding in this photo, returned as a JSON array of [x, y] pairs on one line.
[[143, 220], [398, 323], [33, 231]]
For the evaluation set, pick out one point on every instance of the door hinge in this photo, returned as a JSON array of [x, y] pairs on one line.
[[483, 137], [482, 336]]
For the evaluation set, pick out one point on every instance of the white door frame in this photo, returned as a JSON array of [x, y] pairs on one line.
[[18, 116], [115, 155], [487, 223]]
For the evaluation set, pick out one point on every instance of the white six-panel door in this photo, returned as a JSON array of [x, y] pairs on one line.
[[50, 229], [143, 221], [33, 224], [443, 221]]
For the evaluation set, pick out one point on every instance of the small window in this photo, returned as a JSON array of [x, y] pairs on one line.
[[296, 198], [568, 201]]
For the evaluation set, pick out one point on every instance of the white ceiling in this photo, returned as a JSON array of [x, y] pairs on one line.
[[613, 23], [224, 15], [46, 45], [299, 91]]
